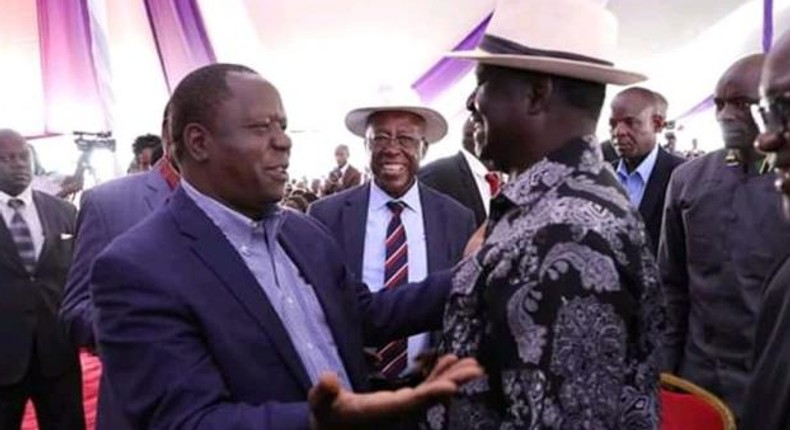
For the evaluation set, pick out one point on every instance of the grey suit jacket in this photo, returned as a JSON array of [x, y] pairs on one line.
[[106, 211]]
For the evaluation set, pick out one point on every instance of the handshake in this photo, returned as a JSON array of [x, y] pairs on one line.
[[333, 407]]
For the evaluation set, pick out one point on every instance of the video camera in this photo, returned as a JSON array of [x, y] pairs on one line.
[[87, 141]]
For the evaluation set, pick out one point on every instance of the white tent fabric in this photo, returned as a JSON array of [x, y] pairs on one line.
[[327, 56]]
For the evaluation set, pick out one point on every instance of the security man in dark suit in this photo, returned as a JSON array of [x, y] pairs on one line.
[[644, 168], [37, 362]]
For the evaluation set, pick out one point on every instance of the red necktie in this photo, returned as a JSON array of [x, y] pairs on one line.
[[396, 273], [493, 182]]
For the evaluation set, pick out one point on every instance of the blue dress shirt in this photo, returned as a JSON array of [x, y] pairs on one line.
[[290, 295], [636, 181]]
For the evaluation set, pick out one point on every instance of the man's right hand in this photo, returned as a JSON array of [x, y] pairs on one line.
[[333, 407]]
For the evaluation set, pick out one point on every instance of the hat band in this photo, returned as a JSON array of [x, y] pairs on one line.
[[497, 45]]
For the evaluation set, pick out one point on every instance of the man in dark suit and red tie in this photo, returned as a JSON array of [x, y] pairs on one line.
[[395, 230], [36, 360], [464, 176]]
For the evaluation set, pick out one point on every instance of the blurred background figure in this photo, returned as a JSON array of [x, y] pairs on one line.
[[344, 176], [147, 151]]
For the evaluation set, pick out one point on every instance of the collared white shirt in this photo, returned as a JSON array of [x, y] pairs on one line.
[[29, 214], [379, 216], [636, 181], [479, 172]]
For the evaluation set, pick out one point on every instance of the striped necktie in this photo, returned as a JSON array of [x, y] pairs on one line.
[[396, 272], [20, 233]]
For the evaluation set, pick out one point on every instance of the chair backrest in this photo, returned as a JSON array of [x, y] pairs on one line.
[[685, 405]]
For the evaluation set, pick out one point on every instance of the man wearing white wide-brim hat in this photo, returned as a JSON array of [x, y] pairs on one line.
[[561, 304], [394, 230]]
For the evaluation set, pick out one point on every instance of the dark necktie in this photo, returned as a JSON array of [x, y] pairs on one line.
[[396, 272], [20, 233]]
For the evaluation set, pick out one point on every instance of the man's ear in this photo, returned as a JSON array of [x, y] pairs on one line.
[[197, 141], [423, 148], [659, 122], [538, 94]]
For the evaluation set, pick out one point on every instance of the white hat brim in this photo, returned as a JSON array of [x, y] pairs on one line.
[[435, 124], [554, 66]]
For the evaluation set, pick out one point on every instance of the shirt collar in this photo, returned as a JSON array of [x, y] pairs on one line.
[[581, 154], [379, 198], [235, 225], [26, 196], [475, 165], [645, 167]]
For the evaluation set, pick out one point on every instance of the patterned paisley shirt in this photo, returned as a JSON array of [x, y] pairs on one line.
[[562, 306]]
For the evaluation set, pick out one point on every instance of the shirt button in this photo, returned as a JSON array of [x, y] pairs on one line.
[[244, 250], [309, 345], [289, 300]]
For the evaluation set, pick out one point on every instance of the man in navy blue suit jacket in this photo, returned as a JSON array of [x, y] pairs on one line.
[[435, 226], [221, 311]]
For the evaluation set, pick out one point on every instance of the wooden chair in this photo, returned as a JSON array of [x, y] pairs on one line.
[[686, 406]]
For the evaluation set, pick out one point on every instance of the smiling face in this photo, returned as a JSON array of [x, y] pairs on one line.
[[243, 158], [395, 141]]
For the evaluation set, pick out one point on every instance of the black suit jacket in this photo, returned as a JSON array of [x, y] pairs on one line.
[[652, 206], [452, 176], [29, 303]]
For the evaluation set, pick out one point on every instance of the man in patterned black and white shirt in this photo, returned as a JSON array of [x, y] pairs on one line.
[[562, 304]]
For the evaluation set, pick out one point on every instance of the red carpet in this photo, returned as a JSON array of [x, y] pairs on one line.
[[91, 372]]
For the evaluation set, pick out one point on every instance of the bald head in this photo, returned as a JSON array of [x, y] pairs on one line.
[[735, 92], [776, 71], [16, 170], [634, 123]]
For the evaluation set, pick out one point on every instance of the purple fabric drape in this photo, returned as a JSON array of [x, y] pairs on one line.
[[768, 24], [71, 93], [448, 71], [767, 39], [180, 36]]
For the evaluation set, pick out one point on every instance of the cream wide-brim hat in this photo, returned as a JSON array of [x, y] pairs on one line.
[[570, 38], [390, 100]]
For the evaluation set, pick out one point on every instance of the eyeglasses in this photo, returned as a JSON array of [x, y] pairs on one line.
[[772, 114], [405, 141]]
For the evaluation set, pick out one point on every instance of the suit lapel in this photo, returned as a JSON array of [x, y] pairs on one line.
[[354, 219], [48, 227], [9, 255], [655, 187], [157, 190], [298, 246], [220, 257], [435, 224]]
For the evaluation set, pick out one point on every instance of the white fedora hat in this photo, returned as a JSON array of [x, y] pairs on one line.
[[403, 100], [570, 38]]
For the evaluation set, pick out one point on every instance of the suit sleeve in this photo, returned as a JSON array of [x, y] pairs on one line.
[[158, 364], [396, 313], [76, 311], [674, 275]]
